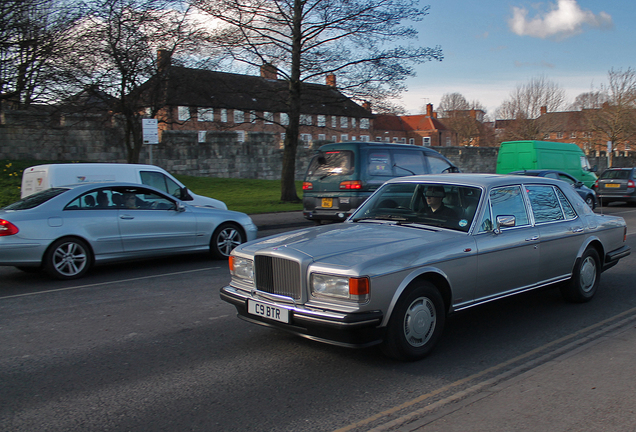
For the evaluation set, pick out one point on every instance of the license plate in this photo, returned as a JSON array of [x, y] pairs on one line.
[[612, 185], [327, 202], [268, 311]]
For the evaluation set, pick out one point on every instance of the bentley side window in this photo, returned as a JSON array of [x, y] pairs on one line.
[[508, 201], [545, 204]]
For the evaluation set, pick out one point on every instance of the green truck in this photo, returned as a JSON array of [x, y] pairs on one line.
[[532, 155]]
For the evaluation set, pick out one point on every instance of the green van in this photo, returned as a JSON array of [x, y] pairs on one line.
[[530, 155], [342, 175]]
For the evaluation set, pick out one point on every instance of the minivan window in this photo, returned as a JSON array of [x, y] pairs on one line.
[[380, 163], [337, 162], [437, 165], [406, 163]]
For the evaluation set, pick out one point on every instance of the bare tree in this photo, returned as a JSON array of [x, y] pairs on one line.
[[525, 104], [589, 100], [464, 117], [32, 40], [118, 53], [308, 39], [615, 119]]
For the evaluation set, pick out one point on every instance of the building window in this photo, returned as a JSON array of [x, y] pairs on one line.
[[239, 116], [559, 135], [252, 116], [240, 136], [364, 138], [334, 138], [284, 119], [387, 139], [448, 142], [268, 117], [202, 136], [395, 139], [344, 122], [426, 141], [572, 134], [364, 123], [321, 120], [205, 114], [412, 141], [344, 137], [322, 137], [353, 122], [224, 115], [334, 121], [305, 120], [403, 140], [306, 140], [378, 139], [546, 136], [183, 113]]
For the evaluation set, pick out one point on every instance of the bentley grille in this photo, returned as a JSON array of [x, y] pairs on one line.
[[277, 276]]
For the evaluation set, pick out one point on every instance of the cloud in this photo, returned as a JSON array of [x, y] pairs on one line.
[[564, 19]]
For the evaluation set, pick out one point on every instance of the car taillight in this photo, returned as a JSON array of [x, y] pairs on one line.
[[308, 186], [7, 228], [595, 185], [631, 184], [351, 184]]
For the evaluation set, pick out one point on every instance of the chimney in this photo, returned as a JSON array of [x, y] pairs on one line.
[[269, 71], [429, 110], [544, 110], [163, 60], [331, 80]]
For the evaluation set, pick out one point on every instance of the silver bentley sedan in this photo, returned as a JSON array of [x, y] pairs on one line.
[[418, 249], [65, 230]]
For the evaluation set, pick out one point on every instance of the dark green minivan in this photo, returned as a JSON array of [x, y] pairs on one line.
[[342, 175]]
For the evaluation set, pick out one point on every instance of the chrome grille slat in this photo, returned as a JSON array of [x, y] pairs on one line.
[[277, 276]]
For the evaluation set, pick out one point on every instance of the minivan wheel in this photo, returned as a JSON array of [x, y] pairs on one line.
[[590, 201], [224, 239], [585, 278], [416, 323], [67, 258]]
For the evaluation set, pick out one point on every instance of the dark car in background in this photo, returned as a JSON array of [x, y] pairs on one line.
[[341, 176], [616, 184], [588, 195]]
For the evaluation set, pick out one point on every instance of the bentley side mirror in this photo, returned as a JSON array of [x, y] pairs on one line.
[[504, 221]]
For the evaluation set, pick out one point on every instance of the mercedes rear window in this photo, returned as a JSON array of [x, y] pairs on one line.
[[36, 199]]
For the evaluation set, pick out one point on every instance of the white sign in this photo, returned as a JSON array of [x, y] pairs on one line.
[[150, 129]]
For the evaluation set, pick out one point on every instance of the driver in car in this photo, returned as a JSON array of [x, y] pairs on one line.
[[436, 208]]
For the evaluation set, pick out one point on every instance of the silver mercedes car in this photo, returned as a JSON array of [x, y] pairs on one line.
[[418, 249], [65, 230]]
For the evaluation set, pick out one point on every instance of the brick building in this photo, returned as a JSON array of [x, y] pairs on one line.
[[199, 100]]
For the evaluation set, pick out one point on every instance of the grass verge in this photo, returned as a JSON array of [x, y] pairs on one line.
[[245, 195]]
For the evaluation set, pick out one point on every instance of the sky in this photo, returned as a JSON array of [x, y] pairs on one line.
[[492, 46]]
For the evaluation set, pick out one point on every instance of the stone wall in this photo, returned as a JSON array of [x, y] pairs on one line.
[[29, 136]]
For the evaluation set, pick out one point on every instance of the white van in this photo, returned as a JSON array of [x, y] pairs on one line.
[[41, 177]]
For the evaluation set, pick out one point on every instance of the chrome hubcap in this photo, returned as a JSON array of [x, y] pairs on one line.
[[419, 322], [588, 274]]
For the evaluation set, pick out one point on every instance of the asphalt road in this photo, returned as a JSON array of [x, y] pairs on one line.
[[149, 346]]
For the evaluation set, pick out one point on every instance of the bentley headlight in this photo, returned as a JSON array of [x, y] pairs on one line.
[[343, 287], [242, 268]]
